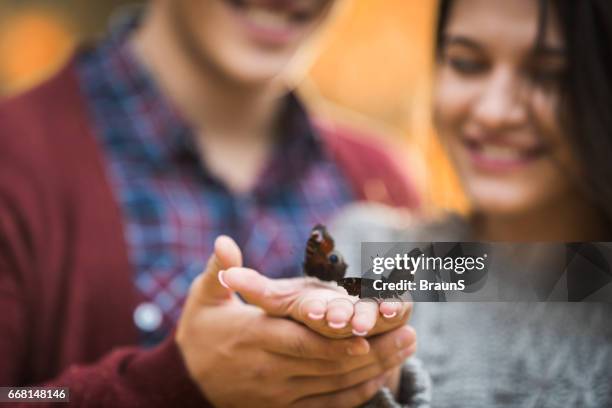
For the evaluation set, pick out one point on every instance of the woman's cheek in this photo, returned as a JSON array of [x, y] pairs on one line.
[[546, 110], [452, 101], [547, 113]]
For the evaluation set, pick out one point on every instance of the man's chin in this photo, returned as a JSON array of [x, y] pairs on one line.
[[252, 71]]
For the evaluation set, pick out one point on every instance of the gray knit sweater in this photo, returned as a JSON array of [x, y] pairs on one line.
[[492, 354]]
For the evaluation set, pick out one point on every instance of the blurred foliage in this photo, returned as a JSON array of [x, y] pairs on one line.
[[37, 35]]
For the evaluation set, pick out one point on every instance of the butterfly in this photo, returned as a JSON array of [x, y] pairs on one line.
[[321, 260], [324, 262]]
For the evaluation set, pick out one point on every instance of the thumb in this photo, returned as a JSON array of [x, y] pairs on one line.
[[226, 255]]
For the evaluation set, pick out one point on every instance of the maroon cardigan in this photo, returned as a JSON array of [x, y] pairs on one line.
[[66, 290]]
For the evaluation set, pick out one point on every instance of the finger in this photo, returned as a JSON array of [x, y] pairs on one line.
[[333, 383], [385, 324], [351, 397], [398, 339], [394, 380], [389, 310], [274, 296], [300, 368], [286, 337], [312, 309], [365, 317], [209, 286], [339, 313], [395, 313], [311, 312], [404, 310]]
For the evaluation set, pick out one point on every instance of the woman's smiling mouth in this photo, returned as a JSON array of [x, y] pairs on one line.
[[493, 155]]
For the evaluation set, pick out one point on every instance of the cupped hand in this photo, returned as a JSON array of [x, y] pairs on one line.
[[324, 307], [237, 353]]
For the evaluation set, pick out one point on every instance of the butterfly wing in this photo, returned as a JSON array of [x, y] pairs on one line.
[[321, 260], [352, 285]]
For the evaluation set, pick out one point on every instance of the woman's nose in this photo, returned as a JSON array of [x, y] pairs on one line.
[[502, 102]]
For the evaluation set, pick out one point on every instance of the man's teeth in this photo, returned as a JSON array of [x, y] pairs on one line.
[[501, 153], [267, 18]]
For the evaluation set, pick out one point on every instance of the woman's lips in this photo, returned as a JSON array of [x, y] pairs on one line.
[[501, 157], [272, 23]]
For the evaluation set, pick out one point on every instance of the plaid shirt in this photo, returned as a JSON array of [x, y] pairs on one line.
[[174, 208]]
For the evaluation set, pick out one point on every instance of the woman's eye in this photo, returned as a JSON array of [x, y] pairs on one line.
[[547, 77], [467, 66], [547, 71]]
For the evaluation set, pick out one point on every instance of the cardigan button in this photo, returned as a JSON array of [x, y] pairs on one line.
[[148, 317]]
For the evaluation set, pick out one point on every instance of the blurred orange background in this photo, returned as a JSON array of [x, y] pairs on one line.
[[372, 67]]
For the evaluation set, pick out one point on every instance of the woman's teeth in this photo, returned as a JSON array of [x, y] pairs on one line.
[[501, 153]]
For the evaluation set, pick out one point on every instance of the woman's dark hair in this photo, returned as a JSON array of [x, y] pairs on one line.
[[586, 87]]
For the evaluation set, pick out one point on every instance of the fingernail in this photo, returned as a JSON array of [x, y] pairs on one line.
[[403, 340], [390, 315], [220, 277], [333, 325], [316, 316], [360, 333]]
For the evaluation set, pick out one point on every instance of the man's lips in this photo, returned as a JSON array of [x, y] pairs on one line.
[[294, 11], [274, 23]]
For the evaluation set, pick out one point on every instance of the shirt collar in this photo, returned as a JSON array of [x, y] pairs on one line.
[[298, 145], [169, 136]]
